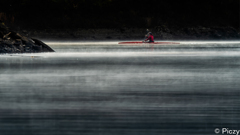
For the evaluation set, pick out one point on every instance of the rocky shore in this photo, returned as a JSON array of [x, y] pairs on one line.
[[14, 42], [159, 32]]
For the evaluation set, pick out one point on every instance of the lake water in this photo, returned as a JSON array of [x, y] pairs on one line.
[[102, 88]]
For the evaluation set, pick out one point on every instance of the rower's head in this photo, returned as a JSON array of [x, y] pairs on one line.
[[150, 33]]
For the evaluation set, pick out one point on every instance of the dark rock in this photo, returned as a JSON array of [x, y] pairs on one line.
[[14, 35], [37, 48], [13, 42], [18, 42], [42, 45]]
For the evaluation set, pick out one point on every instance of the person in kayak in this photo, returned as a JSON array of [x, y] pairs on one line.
[[150, 38]]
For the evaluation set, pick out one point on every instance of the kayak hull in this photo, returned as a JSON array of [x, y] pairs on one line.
[[142, 43]]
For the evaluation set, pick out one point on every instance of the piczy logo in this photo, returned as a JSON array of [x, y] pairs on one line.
[[227, 131]]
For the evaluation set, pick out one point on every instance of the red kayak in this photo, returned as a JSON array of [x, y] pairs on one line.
[[155, 43]]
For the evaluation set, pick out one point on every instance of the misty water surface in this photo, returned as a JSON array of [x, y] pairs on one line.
[[109, 89]]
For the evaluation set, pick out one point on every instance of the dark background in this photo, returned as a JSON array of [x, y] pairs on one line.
[[119, 13]]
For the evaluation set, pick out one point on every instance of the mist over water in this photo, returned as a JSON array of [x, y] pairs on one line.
[[105, 88]]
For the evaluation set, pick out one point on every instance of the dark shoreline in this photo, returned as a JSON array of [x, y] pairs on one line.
[[160, 33]]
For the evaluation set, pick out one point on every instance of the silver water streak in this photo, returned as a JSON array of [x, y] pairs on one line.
[[110, 89]]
